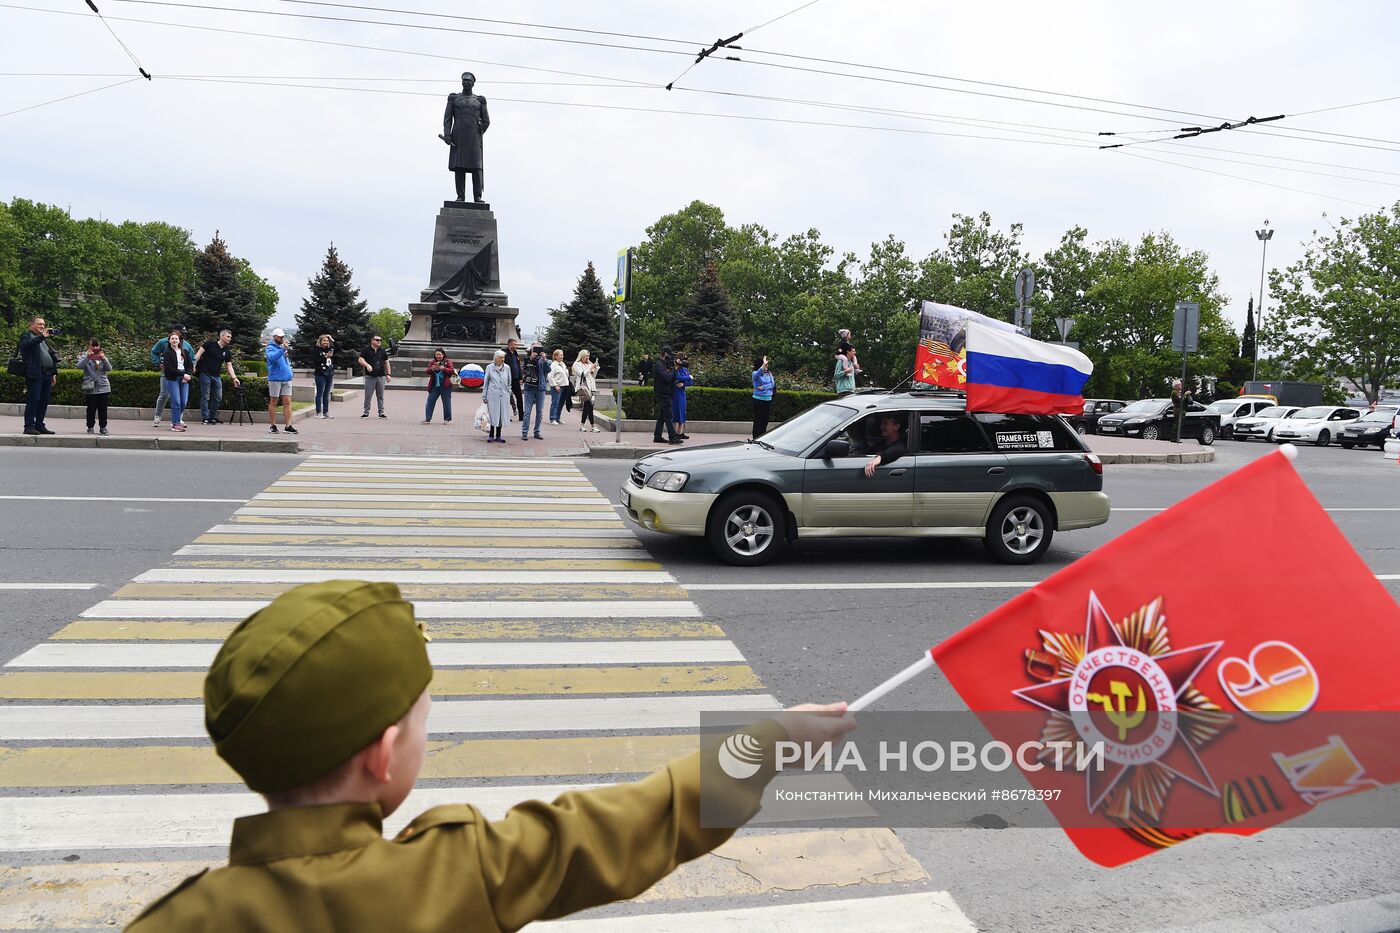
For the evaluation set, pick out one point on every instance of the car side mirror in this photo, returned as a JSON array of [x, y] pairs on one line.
[[836, 448]]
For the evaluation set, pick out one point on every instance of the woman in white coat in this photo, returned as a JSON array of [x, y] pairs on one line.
[[585, 383], [495, 392]]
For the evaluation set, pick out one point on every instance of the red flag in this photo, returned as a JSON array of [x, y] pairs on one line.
[[1212, 688]]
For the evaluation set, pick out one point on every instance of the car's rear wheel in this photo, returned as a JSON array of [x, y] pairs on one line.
[[746, 529], [1019, 531], [1324, 437], [1207, 435], [1151, 433], [1081, 428]]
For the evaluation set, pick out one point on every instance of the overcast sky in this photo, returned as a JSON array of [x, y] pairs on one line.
[[283, 171]]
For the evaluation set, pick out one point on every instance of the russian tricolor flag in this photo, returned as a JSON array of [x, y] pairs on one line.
[[1008, 372]]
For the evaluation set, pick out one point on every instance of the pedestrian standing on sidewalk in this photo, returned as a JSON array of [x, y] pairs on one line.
[[40, 375], [585, 386], [663, 378], [374, 359], [644, 368], [323, 370], [558, 385], [535, 379], [97, 388], [210, 362], [440, 373], [496, 393], [763, 383], [517, 371], [279, 381], [158, 362], [177, 368], [683, 379]]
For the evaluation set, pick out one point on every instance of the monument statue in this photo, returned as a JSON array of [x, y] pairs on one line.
[[463, 124]]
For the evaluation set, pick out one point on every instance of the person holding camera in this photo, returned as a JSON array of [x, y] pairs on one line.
[[323, 368], [177, 369], [97, 388], [40, 374], [440, 375], [585, 385], [534, 379], [158, 361], [279, 381], [763, 383], [663, 375]]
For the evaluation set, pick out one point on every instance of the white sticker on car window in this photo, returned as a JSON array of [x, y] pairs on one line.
[[1019, 440], [1045, 439]]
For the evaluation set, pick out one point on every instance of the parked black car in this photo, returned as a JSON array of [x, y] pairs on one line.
[[1094, 409], [1371, 428], [1154, 419]]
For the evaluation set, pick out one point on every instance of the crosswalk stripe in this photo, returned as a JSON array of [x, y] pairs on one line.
[[444, 631], [573, 681], [350, 522], [924, 912], [199, 655], [72, 766], [440, 472], [383, 534], [442, 486], [579, 519], [427, 609], [511, 559], [370, 501], [524, 463], [182, 575], [30, 723], [525, 593]]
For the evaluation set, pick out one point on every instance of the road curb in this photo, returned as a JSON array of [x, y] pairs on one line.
[[225, 445]]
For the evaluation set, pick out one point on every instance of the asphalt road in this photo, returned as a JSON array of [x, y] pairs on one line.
[[821, 641]]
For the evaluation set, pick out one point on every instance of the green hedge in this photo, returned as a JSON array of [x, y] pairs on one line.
[[705, 404], [129, 390], [251, 366]]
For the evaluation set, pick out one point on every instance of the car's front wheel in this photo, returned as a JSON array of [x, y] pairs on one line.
[[746, 529], [1207, 435], [1081, 428], [1151, 433], [1324, 437], [1019, 531]]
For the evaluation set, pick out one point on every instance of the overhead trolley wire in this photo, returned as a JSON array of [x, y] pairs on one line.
[[70, 96], [129, 54]]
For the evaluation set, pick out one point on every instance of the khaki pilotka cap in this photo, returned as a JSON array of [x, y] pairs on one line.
[[312, 678]]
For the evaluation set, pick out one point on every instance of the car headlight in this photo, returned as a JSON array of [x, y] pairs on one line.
[[668, 480], [1133, 422]]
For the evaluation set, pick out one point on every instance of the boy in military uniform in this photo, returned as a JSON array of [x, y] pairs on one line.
[[319, 701]]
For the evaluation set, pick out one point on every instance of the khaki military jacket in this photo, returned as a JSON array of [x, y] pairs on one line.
[[308, 869]]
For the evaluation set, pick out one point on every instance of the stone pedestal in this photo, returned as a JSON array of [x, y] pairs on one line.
[[469, 327]]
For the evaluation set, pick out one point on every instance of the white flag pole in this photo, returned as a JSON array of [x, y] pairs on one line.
[[898, 680]]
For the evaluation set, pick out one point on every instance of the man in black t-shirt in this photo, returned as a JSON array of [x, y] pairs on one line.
[[209, 364], [374, 360]]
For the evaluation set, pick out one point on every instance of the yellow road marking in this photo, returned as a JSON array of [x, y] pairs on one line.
[[442, 630], [430, 506], [515, 591], [189, 685], [409, 521], [444, 489], [159, 765], [69, 896], [453, 563]]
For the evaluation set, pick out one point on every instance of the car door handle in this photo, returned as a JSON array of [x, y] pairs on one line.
[[996, 471], [900, 472]]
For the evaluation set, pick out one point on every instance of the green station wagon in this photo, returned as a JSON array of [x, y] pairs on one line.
[[1011, 480]]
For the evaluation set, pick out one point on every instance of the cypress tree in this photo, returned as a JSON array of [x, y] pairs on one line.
[[332, 306], [218, 298], [709, 323], [586, 321], [1247, 341]]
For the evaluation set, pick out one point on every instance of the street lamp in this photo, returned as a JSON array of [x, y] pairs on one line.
[[1263, 236]]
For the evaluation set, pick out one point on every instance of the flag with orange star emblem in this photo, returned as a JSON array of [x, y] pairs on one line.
[[1219, 702], [941, 357]]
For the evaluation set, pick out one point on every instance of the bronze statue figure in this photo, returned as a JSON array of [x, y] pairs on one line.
[[463, 124]]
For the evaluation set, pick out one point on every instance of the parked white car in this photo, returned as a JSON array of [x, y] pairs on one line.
[[1231, 410], [1317, 424], [1261, 424]]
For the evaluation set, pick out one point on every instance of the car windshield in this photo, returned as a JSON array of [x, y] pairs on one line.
[[1383, 415], [1146, 406], [1273, 411], [1224, 406], [797, 434], [1317, 411]]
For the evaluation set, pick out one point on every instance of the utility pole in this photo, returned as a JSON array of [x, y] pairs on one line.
[[1263, 236]]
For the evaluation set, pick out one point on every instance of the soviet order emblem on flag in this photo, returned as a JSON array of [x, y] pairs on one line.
[[1221, 701], [941, 357]]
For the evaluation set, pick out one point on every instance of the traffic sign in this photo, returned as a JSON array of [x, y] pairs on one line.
[[1185, 326], [622, 285], [1025, 285], [1063, 324]]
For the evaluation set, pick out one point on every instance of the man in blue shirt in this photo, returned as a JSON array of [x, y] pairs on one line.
[[279, 381], [157, 359], [535, 379]]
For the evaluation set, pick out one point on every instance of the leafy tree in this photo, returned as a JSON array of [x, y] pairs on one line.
[[883, 307], [388, 323], [586, 321], [332, 306], [977, 269], [708, 324], [219, 298], [1337, 310], [665, 268]]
